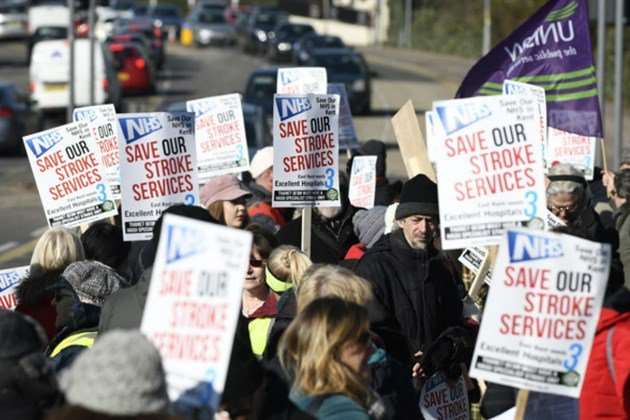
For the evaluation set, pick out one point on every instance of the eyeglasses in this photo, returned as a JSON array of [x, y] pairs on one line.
[[563, 209], [256, 263]]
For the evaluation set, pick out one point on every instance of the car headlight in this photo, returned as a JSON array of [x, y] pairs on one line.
[[358, 85], [205, 33], [261, 35], [158, 23], [304, 56], [284, 46]]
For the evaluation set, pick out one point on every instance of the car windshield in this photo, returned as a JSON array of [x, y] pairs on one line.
[[293, 31], [266, 19], [166, 11], [336, 63], [58, 32], [262, 88], [123, 5], [326, 42], [211, 18]]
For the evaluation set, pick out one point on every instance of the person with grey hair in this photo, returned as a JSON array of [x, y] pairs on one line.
[[619, 197], [568, 199]]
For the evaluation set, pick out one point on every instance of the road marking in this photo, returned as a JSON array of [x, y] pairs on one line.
[[18, 252], [39, 232], [8, 245]]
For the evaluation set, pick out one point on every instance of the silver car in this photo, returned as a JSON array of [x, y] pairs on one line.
[[13, 20], [210, 28]]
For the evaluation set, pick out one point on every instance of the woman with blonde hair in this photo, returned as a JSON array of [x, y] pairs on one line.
[[325, 352], [285, 268], [56, 249]]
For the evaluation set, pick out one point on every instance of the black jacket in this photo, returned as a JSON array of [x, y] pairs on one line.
[[330, 239], [416, 295]]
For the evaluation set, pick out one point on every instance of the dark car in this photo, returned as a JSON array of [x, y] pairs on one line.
[[135, 71], [304, 46], [13, 114], [261, 86], [166, 16], [282, 38], [145, 27], [261, 23], [346, 66]]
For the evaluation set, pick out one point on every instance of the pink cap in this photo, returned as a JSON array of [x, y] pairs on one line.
[[222, 188]]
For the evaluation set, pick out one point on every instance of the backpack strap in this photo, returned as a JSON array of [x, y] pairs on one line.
[[609, 354]]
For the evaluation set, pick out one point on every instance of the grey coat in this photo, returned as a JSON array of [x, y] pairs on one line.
[[124, 308]]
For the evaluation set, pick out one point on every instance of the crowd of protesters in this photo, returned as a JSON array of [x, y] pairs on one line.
[[344, 333]]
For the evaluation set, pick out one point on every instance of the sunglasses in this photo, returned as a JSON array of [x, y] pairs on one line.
[[256, 263]]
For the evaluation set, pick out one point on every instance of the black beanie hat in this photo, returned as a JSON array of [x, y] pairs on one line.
[[419, 196]]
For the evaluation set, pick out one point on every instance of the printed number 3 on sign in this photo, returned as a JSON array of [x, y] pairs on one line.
[[532, 203], [330, 178], [571, 363], [101, 189]]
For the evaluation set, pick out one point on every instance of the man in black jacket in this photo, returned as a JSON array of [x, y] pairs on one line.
[[416, 296]]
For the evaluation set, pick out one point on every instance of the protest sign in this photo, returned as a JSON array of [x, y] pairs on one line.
[[10, 279], [512, 87], [552, 221], [193, 306], [68, 170], [347, 134], [473, 258], [440, 401], [158, 168], [411, 142], [219, 135], [363, 182], [429, 123], [542, 311], [579, 151], [302, 81], [490, 168], [306, 151], [106, 132]]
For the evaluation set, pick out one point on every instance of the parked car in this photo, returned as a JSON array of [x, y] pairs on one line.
[[136, 38], [134, 68], [260, 88], [210, 6], [47, 14], [166, 16], [344, 65], [282, 38], [49, 82], [145, 27], [210, 28], [14, 108], [262, 21], [13, 20], [304, 46]]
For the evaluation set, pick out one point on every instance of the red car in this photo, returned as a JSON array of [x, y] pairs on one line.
[[135, 72]]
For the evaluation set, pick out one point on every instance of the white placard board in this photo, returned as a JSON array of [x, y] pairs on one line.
[[363, 182], [302, 80], [10, 279], [579, 151]]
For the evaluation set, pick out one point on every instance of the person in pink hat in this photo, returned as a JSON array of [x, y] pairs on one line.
[[225, 200]]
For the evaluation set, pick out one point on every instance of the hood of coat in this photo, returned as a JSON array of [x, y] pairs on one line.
[[616, 308], [36, 286]]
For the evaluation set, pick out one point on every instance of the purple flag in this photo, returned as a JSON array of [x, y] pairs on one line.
[[552, 49]]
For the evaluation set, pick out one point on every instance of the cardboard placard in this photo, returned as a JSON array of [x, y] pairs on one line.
[[158, 168], [363, 182], [106, 131], [542, 311], [431, 135], [490, 168], [347, 133], [306, 151], [302, 81], [219, 135], [10, 279], [574, 149], [68, 169], [411, 142], [192, 307]]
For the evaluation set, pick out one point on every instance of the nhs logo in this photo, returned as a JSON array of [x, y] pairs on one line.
[[525, 247], [290, 107], [200, 108], [287, 77], [182, 242], [455, 117], [40, 144], [134, 128], [84, 115]]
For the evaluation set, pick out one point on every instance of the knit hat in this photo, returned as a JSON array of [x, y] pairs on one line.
[[419, 196], [92, 281], [369, 225], [19, 335], [263, 160], [121, 375], [222, 188]]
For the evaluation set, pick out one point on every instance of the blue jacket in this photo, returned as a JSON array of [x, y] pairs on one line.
[[329, 407]]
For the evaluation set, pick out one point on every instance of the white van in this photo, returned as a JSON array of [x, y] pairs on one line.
[[49, 75], [47, 15]]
